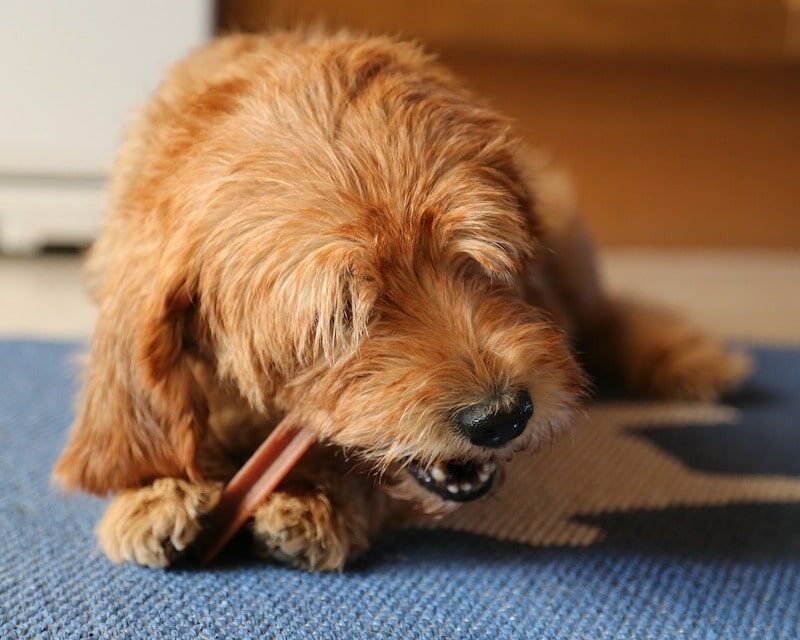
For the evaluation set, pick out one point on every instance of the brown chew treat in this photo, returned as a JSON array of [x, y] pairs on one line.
[[252, 484]]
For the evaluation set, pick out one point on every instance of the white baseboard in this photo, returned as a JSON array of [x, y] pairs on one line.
[[35, 212]]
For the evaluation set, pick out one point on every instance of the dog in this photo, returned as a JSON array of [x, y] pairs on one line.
[[333, 228]]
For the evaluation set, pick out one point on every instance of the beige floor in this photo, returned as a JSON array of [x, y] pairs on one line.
[[740, 294]]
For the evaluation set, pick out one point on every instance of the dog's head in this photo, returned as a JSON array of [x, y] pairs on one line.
[[389, 265], [451, 374], [365, 271]]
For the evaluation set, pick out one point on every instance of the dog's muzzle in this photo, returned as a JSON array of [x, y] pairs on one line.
[[485, 426]]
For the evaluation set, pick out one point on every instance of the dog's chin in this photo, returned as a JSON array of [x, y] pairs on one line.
[[427, 496], [455, 481], [438, 488]]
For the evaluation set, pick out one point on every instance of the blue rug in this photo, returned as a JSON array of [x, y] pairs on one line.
[[727, 571]]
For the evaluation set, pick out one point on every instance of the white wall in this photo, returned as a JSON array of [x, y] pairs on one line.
[[73, 73]]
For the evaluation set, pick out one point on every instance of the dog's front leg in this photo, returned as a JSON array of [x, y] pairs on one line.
[[318, 520], [154, 525]]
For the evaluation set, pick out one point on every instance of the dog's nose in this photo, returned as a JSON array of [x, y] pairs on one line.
[[486, 427]]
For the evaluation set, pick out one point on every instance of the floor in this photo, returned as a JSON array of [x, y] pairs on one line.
[[751, 295]]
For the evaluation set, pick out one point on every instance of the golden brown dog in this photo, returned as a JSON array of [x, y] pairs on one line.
[[333, 227]]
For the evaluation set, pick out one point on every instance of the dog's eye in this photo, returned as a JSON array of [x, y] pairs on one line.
[[347, 314], [357, 308], [468, 268]]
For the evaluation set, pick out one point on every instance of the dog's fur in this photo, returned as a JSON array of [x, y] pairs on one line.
[[332, 227]]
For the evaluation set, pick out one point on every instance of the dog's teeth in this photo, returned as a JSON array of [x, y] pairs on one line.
[[438, 472], [452, 488], [486, 470], [465, 486]]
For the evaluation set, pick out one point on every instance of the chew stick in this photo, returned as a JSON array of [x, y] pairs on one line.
[[252, 484]]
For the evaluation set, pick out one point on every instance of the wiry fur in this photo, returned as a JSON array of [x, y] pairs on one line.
[[333, 226]]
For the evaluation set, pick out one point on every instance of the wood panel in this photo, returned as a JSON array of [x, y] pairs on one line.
[[664, 154], [744, 29]]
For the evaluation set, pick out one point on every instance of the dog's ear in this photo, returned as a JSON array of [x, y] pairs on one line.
[[164, 367], [140, 412]]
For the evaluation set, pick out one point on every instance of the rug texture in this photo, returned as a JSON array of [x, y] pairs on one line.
[[644, 521]]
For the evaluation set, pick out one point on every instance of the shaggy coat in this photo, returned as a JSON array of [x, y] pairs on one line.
[[334, 228]]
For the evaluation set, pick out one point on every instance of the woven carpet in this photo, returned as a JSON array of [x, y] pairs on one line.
[[645, 521]]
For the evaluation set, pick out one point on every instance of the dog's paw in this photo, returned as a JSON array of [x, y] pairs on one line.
[[698, 370], [303, 531], [657, 353], [153, 526]]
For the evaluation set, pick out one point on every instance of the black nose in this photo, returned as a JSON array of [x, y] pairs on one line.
[[486, 427]]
